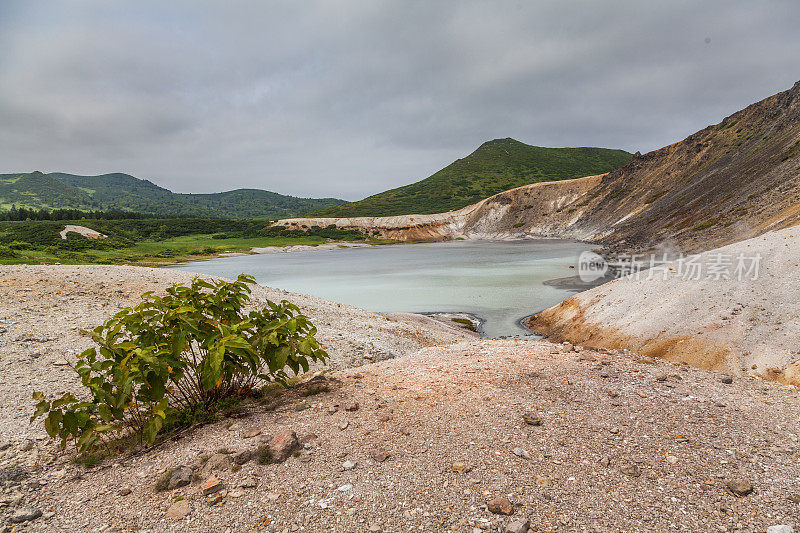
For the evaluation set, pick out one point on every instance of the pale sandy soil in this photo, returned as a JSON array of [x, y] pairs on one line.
[[89, 233], [747, 325], [43, 308]]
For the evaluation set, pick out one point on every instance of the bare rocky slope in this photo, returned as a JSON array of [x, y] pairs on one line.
[[535, 210], [741, 322], [728, 182]]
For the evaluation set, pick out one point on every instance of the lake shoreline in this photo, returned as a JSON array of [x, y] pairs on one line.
[[496, 283]]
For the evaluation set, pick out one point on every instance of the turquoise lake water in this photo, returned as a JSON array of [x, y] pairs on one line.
[[498, 281]]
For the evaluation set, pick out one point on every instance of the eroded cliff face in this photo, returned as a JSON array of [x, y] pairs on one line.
[[729, 182], [748, 324], [536, 210]]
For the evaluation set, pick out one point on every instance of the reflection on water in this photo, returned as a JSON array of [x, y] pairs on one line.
[[498, 281]]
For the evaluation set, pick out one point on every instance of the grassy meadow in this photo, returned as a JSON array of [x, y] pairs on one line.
[[153, 241]]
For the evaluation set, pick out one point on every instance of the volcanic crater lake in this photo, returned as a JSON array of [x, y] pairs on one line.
[[499, 282]]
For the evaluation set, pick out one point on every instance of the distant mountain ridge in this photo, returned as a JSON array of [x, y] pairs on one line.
[[728, 182], [496, 166], [58, 190]]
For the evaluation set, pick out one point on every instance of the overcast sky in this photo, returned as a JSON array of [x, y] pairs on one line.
[[347, 98]]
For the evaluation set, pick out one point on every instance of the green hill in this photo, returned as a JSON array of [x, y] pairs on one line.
[[494, 167], [123, 192]]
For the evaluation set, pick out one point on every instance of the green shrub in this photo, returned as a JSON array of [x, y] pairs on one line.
[[466, 322], [704, 225], [7, 253], [183, 352], [162, 483], [316, 390], [263, 455]]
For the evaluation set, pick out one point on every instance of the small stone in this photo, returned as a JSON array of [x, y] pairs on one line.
[[13, 473], [211, 485], [25, 514], [242, 457], [352, 407], [782, 528], [631, 470], [727, 379], [661, 377], [124, 491], [379, 455], [180, 477], [605, 461], [283, 445], [236, 493], [216, 497], [248, 483], [374, 528], [345, 488], [500, 506], [671, 459], [518, 526], [348, 465], [461, 468], [305, 439], [178, 510], [218, 462], [532, 419], [273, 496], [519, 452], [60, 362], [344, 425], [739, 487]]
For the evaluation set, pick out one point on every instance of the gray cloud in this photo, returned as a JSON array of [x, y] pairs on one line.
[[347, 98]]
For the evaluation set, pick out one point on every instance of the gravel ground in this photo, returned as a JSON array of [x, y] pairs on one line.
[[42, 309], [573, 439], [305, 247]]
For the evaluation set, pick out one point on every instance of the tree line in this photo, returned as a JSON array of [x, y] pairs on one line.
[[17, 214]]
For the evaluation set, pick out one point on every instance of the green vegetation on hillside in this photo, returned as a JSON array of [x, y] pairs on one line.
[[36, 190], [494, 167], [152, 241]]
